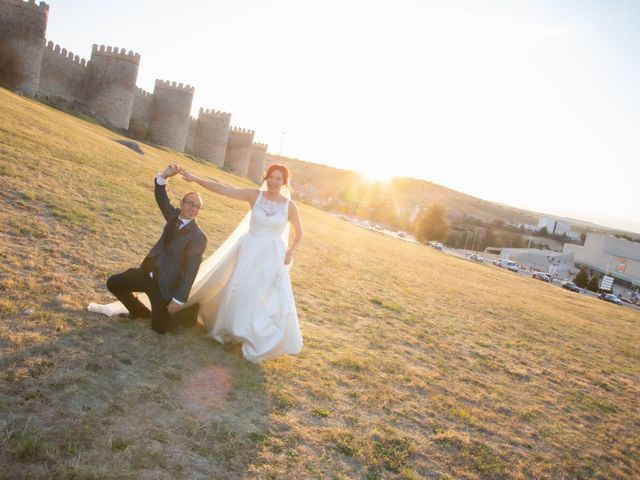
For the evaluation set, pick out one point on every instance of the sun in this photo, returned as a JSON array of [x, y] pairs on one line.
[[377, 175]]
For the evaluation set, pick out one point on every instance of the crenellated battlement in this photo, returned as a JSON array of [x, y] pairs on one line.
[[41, 7], [69, 56], [105, 86], [241, 131], [142, 93], [114, 52], [167, 85], [213, 114]]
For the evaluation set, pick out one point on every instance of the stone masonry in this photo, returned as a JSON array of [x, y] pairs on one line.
[[238, 151], [257, 162], [169, 122], [105, 86], [22, 29]]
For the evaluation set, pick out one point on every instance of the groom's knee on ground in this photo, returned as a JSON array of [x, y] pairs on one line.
[[159, 325], [114, 282]]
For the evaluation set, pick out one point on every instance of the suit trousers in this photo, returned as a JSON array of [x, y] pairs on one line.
[[122, 285]]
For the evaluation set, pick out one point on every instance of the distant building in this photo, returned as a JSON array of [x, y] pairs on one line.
[[549, 261], [575, 236], [549, 224], [609, 255], [554, 226]]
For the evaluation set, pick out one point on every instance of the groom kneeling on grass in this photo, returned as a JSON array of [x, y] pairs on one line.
[[168, 271]]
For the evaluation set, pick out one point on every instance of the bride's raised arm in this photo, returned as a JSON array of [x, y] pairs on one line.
[[246, 194]]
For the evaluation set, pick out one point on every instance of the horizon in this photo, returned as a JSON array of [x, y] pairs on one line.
[[533, 106], [546, 214]]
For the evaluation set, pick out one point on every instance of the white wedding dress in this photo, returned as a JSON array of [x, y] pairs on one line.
[[244, 288]]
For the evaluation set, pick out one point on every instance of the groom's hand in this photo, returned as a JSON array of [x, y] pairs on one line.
[[174, 307], [170, 171]]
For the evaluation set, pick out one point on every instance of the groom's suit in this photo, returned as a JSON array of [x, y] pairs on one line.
[[167, 272]]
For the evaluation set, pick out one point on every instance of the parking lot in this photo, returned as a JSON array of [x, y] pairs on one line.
[[489, 262], [471, 256]]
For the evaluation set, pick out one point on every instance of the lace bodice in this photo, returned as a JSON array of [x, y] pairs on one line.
[[268, 217]]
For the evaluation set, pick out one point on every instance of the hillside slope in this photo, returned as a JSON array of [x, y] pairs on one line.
[[329, 182], [415, 365], [322, 182]]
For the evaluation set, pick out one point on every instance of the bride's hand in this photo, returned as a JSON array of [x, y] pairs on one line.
[[287, 257], [187, 175]]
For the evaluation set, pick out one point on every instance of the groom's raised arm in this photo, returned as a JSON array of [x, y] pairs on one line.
[[168, 210]]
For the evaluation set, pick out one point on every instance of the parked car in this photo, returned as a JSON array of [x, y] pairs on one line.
[[437, 245], [571, 286], [510, 265], [476, 257], [609, 297], [499, 262], [541, 276]]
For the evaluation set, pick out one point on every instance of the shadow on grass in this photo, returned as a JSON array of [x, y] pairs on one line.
[[93, 396], [130, 144]]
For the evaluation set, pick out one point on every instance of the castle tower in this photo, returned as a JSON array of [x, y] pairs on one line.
[[112, 84], [22, 32], [257, 162], [212, 132], [169, 123], [238, 151]]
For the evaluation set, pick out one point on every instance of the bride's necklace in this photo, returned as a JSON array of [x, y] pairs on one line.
[[270, 207]]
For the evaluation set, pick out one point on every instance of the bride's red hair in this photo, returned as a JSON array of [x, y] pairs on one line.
[[283, 169]]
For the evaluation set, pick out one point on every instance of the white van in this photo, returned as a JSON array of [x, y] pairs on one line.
[[510, 265]]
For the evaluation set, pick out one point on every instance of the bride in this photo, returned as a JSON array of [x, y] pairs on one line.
[[244, 289]]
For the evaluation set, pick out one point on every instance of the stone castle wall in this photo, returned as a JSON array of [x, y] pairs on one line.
[[23, 26], [105, 86], [63, 77], [257, 162], [141, 113], [169, 123], [191, 136], [238, 151]]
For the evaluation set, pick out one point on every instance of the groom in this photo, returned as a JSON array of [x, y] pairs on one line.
[[168, 271]]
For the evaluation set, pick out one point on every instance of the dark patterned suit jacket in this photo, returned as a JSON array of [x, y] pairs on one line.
[[176, 256]]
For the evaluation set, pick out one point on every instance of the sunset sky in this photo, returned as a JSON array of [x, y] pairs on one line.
[[535, 104]]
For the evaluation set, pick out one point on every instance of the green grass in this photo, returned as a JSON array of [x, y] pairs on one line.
[[415, 364]]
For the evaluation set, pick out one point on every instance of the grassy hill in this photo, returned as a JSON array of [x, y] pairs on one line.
[[416, 364], [343, 187], [404, 193]]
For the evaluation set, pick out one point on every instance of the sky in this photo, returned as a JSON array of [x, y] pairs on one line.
[[533, 104]]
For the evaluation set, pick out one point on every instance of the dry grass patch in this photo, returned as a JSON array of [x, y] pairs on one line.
[[415, 365]]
